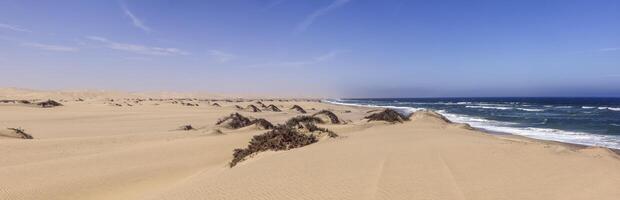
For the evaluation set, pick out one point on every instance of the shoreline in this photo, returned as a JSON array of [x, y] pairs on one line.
[[500, 133]]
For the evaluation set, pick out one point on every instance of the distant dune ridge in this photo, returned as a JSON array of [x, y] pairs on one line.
[[160, 148]]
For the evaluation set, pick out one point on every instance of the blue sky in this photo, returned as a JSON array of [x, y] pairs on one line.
[[342, 48]]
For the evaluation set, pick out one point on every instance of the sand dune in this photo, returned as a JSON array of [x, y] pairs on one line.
[[91, 150]]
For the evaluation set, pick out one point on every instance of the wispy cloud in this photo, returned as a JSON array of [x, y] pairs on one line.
[[274, 3], [14, 28], [610, 49], [329, 55], [138, 58], [221, 56], [138, 49], [49, 47], [135, 20], [318, 13], [315, 60]]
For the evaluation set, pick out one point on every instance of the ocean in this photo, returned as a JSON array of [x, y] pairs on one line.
[[585, 121]]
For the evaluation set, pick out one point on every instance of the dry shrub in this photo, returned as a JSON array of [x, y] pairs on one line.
[[235, 121], [252, 108], [261, 104], [299, 120], [189, 104], [387, 115], [187, 128], [332, 117], [216, 105], [311, 127], [280, 138], [238, 107], [308, 123], [22, 134], [263, 123], [298, 109], [49, 104], [273, 108]]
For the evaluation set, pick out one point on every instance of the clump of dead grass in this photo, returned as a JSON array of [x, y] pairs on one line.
[[252, 108], [332, 117], [21, 133], [298, 109], [273, 108], [282, 137], [188, 127], [49, 103], [387, 115]]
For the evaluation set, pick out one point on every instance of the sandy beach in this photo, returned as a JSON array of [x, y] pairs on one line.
[[118, 146]]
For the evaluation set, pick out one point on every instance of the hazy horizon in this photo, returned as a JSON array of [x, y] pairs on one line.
[[330, 48]]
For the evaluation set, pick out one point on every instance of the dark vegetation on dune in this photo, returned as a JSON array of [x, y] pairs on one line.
[[236, 120], [387, 115], [308, 123], [187, 127], [16, 101], [252, 108], [49, 104], [298, 109], [273, 108], [189, 104], [311, 127], [261, 104], [282, 137], [263, 123], [238, 107], [22, 134], [216, 105], [332, 117], [297, 121]]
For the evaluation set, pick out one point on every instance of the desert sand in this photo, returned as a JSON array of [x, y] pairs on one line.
[[96, 148]]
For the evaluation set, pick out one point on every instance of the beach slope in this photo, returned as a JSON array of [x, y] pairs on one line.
[[94, 149]]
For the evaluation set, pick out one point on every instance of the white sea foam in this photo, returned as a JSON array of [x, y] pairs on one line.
[[587, 107], [491, 107], [531, 109], [582, 138], [539, 133], [609, 108]]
